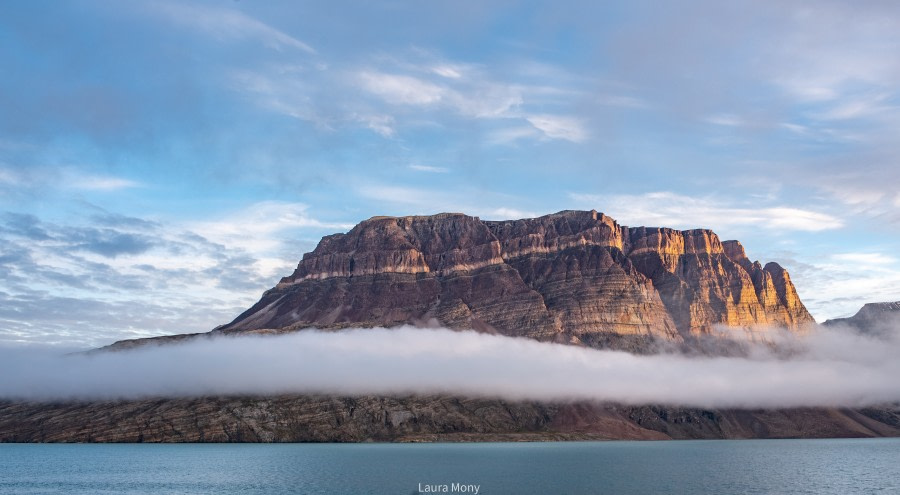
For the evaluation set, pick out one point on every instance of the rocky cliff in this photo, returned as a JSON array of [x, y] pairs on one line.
[[573, 276]]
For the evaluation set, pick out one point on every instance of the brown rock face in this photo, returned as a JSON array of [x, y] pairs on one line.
[[573, 276]]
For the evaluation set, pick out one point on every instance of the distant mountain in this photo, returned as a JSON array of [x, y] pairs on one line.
[[573, 276], [872, 318]]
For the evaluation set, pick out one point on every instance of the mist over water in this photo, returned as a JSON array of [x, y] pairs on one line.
[[829, 367]]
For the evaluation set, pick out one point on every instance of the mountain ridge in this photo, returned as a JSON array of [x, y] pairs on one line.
[[573, 276]]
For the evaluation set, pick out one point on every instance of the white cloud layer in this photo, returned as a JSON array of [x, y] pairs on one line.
[[831, 368]]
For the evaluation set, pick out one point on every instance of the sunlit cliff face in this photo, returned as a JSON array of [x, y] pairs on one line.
[[573, 276]]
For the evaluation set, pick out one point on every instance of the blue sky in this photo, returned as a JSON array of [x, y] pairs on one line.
[[163, 163]]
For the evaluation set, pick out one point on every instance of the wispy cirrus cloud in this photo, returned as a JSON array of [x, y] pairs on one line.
[[401, 89], [674, 210], [262, 228], [815, 65], [380, 124], [861, 107], [61, 178], [554, 102], [101, 183], [469, 96], [510, 135], [279, 88], [866, 259], [226, 24], [381, 99], [835, 285], [451, 71], [405, 200], [559, 127], [397, 93], [725, 119], [428, 168], [102, 276]]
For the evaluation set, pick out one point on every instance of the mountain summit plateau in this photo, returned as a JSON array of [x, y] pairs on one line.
[[574, 277]]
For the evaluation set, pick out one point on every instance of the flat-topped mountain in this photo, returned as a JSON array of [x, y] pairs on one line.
[[572, 276]]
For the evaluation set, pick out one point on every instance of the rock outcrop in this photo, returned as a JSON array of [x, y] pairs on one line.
[[573, 276]]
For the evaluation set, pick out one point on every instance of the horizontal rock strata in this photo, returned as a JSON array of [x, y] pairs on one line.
[[574, 276]]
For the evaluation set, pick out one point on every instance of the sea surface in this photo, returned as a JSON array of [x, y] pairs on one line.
[[846, 466]]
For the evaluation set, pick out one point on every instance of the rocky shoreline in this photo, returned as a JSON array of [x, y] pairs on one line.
[[416, 419]]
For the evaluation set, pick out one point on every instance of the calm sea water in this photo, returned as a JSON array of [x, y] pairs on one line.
[[718, 467]]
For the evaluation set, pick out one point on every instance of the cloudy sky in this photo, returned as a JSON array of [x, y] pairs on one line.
[[163, 163]]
